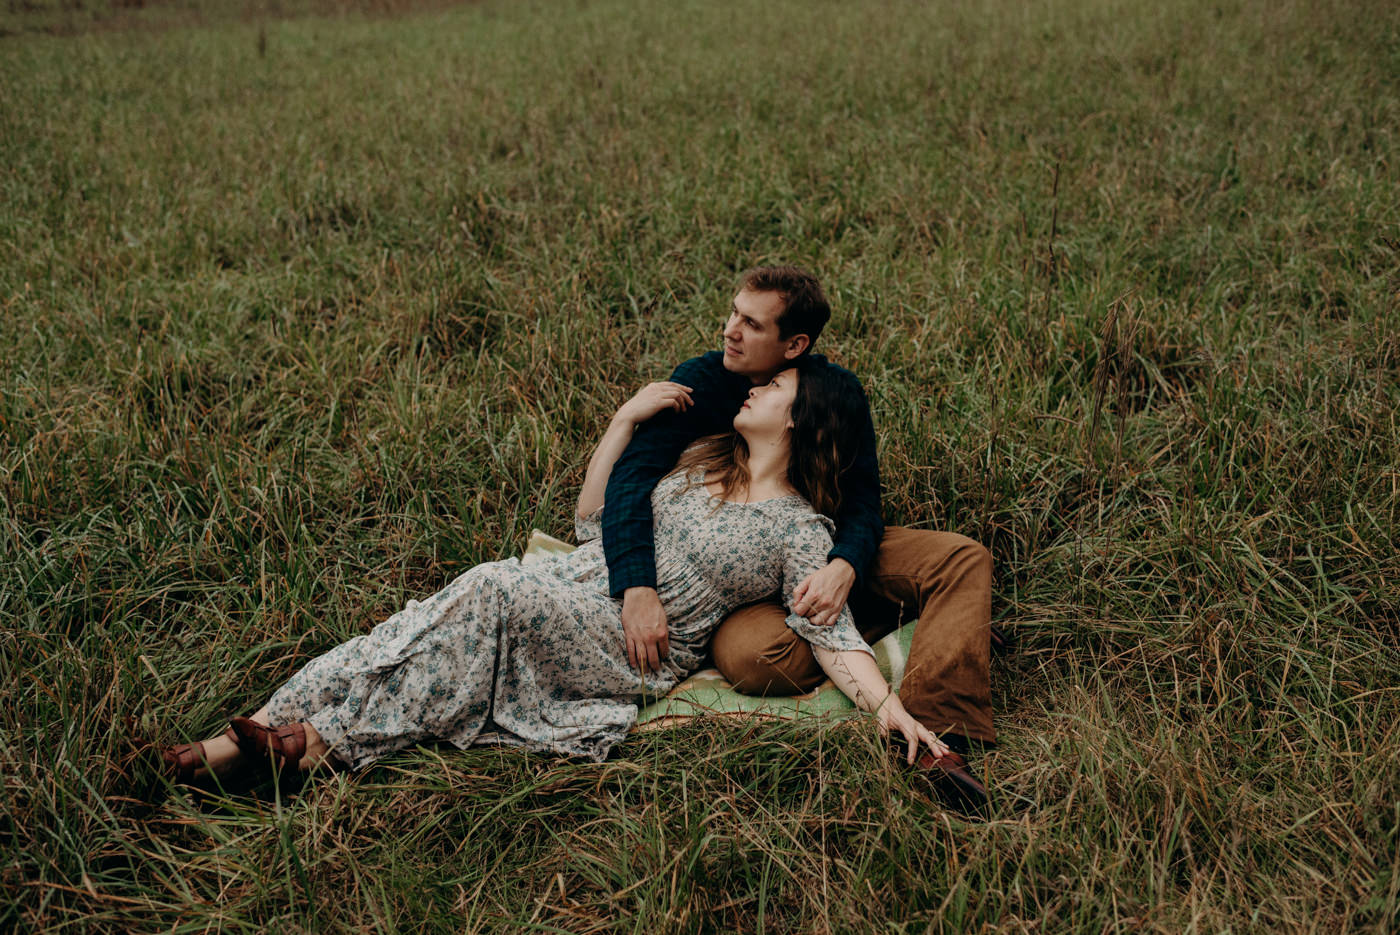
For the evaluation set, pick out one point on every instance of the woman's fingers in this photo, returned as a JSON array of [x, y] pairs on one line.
[[674, 395], [681, 394], [654, 397], [913, 732]]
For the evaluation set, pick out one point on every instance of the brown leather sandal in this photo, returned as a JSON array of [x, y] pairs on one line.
[[285, 745], [183, 760]]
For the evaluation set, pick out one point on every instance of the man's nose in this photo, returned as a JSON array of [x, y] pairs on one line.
[[731, 329]]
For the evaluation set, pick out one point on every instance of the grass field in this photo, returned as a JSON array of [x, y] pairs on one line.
[[307, 306]]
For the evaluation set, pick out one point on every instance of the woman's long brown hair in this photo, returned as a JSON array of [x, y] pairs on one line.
[[826, 419]]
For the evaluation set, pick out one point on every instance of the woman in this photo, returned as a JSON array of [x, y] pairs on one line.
[[535, 656]]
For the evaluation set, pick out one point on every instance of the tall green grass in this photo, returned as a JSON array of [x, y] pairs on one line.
[[304, 311]]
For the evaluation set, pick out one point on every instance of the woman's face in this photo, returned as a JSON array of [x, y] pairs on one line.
[[768, 410]]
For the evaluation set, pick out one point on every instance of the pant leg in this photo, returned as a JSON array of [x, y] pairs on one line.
[[758, 653], [946, 581]]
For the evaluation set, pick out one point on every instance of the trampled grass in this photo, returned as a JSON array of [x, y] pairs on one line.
[[308, 307]]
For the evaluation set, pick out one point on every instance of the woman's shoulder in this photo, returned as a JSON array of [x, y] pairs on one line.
[[677, 483], [794, 515]]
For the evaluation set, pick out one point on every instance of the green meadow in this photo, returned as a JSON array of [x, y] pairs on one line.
[[307, 306]]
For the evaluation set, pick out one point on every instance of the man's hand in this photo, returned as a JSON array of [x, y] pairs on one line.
[[644, 626], [823, 593]]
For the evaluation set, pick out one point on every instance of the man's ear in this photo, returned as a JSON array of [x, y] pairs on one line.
[[796, 345]]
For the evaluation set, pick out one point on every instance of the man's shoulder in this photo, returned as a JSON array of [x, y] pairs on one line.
[[707, 373], [710, 364], [821, 359]]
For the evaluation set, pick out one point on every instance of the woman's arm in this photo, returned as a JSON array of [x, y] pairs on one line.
[[855, 673], [839, 649], [650, 400]]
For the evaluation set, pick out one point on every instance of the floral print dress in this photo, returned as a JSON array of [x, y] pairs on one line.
[[534, 655]]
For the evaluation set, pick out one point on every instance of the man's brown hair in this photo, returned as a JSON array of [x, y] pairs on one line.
[[805, 309]]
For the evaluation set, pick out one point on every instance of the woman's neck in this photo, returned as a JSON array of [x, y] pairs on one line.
[[768, 473], [768, 466]]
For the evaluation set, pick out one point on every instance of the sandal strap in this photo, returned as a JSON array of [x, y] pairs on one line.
[[243, 731], [184, 760], [286, 744], [291, 743]]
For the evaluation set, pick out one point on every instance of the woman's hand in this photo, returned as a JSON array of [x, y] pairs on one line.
[[651, 399], [855, 673], [892, 716]]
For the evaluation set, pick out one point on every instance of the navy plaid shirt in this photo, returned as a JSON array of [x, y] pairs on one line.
[[658, 442]]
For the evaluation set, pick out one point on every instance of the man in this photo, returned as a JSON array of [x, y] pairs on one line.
[[888, 575]]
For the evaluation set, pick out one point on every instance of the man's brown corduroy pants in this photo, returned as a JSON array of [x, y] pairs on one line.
[[942, 579]]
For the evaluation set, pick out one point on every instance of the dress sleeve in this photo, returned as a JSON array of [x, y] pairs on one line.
[[805, 547], [587, 528]]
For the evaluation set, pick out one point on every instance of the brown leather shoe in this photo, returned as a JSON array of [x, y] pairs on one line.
[[952, 779], [1002, 642]]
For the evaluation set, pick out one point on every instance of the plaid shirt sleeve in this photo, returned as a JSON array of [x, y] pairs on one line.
[[859, 528], [627, 535]]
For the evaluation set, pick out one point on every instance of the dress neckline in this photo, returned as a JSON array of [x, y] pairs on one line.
[[704, 485], [700, 484]]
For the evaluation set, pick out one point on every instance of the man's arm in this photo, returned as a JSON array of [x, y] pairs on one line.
[[628, 544], [655, 446], [859, 527]]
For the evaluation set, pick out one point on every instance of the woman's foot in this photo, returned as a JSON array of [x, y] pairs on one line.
[[189, 762], [295, 746]]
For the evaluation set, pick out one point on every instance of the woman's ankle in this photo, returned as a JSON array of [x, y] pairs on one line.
[[318, 754], [221, 755]]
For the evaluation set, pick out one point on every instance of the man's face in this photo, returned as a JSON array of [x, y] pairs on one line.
[[752, 346]]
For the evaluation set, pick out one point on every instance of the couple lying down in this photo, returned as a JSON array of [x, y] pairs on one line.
[[556, 656]]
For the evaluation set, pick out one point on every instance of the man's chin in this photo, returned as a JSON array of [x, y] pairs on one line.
[[739, 367]]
